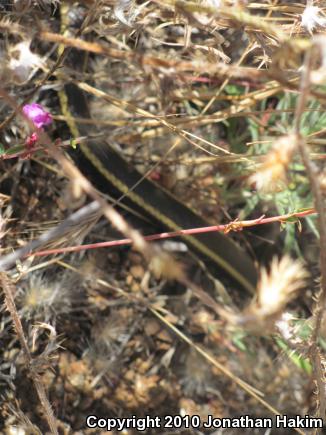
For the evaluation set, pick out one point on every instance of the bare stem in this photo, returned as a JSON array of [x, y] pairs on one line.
[[9, 291], [231, 226], [321, 218]]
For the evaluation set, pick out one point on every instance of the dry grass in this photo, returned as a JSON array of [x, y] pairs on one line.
[[220, 102]]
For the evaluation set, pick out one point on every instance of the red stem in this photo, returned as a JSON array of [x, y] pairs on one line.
[[232, 226]]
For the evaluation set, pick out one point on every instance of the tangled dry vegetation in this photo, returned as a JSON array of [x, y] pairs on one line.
[[222, 103]]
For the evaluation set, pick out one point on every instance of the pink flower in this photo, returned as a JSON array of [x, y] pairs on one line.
[[37, 115], [31, 140]]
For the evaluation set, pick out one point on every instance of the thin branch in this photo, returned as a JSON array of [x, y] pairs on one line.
[[9, 290], [321, 219], [8, 261], [231, 226]]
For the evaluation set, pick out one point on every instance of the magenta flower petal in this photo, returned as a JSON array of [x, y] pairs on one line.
[[36, 113]]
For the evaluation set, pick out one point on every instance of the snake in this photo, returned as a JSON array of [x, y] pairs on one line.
[[108, 170]]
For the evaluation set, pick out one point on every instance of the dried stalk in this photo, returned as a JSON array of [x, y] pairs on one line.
[[321, 219], [9, 291]]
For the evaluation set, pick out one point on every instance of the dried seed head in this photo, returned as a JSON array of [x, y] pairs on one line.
[[213, 3], [23, 61], [196, 376], [278, 287], [126, 12], [271, 175], [110, 335], [275, 289], [311, 18], [164, 265], [47, 297]]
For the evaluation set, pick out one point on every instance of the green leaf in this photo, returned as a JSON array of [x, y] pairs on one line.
[[237, 339], [233, 89], [15, 149], [73, 143], [291, 220], [298, 360]]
